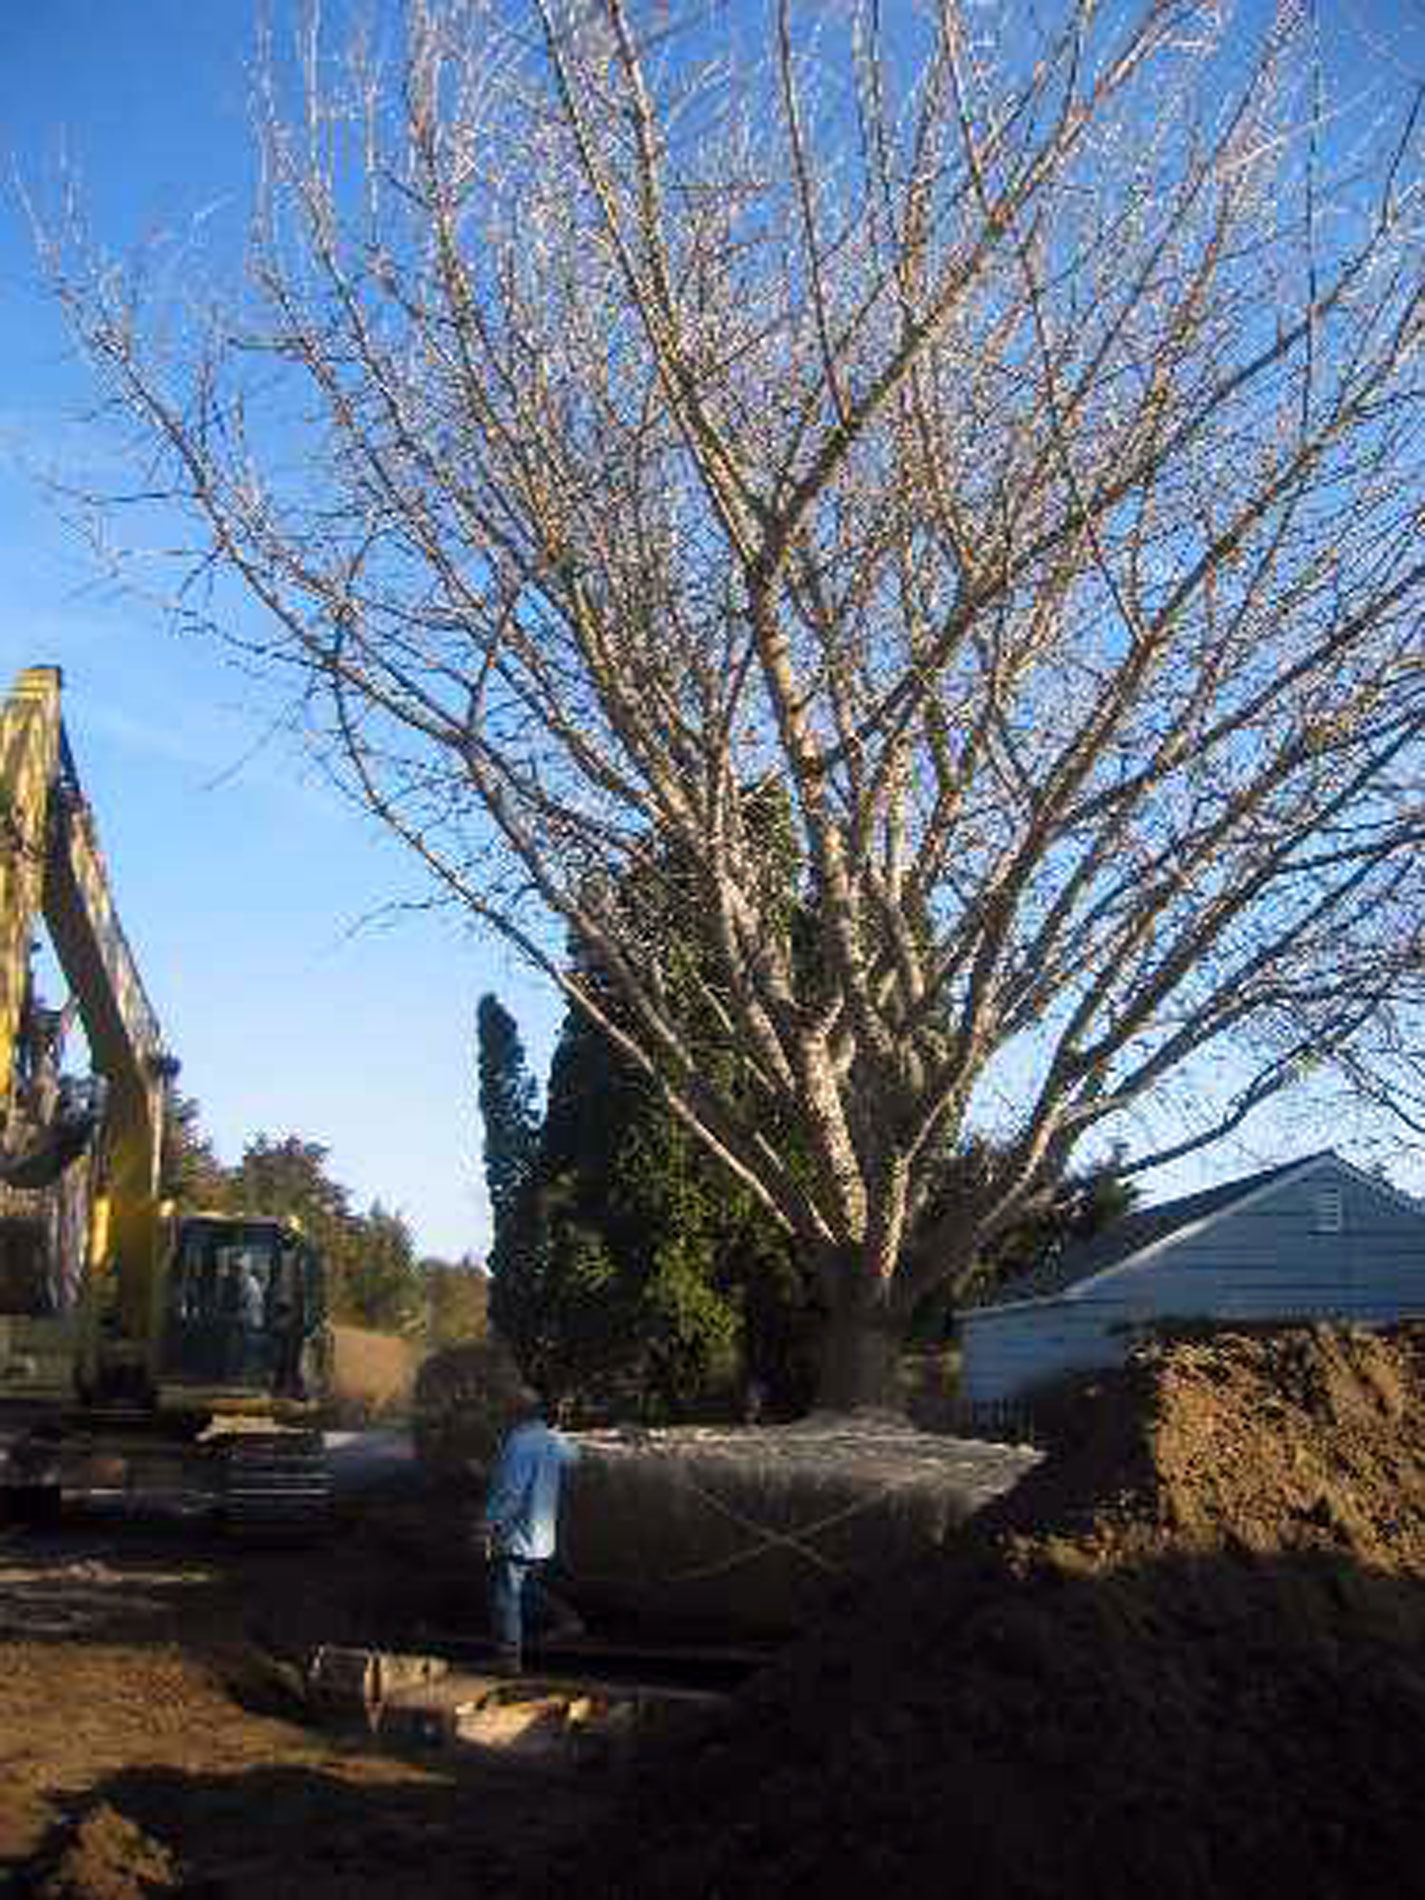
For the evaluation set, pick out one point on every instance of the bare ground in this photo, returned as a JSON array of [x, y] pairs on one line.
[[1185, 1656], [154, 1740]]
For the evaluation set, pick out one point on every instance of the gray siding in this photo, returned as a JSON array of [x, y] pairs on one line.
[[1006, 1354], [1265, 1261]]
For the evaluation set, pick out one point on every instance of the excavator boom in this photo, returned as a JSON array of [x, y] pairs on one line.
[[29, 756], [179, 1317], [53, 867]]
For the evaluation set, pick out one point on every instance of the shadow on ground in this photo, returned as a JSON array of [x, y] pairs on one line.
[[298, 1832]]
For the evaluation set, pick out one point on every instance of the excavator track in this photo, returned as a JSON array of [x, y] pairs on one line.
[[277, 1487]]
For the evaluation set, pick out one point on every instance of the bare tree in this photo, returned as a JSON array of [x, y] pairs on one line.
[[1002, 435]]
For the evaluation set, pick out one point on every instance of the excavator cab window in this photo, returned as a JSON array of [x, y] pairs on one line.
[[291, 1313], [234, 1301], [25, 1284]]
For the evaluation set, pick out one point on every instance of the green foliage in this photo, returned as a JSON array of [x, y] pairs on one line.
[[457, 1298], [507, 1105], [289, 1177], [627, 1259], [566, 1292], [371, 1273], [630, 1264], [382, 1288], [664, 1228], [559, 1294], [779, 1303], [1084, 1202], [192, 1173]]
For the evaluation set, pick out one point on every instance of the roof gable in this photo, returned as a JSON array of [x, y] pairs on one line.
[[1129, 1241]]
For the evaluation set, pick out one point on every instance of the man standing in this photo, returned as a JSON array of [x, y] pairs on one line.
[[521, 1531]]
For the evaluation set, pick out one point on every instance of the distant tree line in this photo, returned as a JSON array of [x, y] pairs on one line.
[[374, 1276]]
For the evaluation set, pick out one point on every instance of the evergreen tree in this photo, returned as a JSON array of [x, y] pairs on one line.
[[631, 1260], [192, 1173], [517, 1305], [556, 1295], [507, 1105]]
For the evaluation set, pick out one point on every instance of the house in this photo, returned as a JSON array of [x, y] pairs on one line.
[[1316, 1239]]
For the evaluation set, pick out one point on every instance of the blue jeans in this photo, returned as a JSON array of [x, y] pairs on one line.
[[520, 1601]]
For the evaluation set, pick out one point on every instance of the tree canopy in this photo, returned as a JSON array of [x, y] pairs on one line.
[[1001, 430]]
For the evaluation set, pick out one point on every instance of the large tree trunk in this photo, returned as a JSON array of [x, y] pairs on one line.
[[860, 1358]]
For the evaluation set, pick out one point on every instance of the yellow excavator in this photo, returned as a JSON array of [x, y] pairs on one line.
[[144, 1343]]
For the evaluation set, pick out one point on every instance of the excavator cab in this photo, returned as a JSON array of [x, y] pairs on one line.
[[243, 1308]]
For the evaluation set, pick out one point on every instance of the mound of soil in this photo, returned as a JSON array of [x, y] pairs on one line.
[[108, 1856], [1184, 1656]]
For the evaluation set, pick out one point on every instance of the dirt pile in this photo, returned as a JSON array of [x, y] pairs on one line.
[[1185, 1656], [108, 1858], [1308, 1439]]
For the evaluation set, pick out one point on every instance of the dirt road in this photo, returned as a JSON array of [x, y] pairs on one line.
[[153, 1736]]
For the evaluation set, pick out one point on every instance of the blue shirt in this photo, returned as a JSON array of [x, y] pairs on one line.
[[522, 1502]]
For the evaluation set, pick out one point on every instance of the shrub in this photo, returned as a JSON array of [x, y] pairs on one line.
[[461, 1406]]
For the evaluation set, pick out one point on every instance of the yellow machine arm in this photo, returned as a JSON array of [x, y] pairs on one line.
[[51, 864], [29, 759]]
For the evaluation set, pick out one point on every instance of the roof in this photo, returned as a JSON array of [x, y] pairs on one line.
[[1136, 1232]]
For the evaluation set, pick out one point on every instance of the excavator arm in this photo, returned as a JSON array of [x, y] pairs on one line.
[[29, 760], [125, 1042], [51, 865]]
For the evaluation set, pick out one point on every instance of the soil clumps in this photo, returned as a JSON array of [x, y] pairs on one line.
[[156, 1736], [1185, 1656]]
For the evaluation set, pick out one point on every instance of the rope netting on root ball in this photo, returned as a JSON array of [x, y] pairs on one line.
[[762, 1529], [751, 1529]]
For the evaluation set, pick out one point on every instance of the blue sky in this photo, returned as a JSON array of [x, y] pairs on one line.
[[252, 894]]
